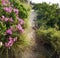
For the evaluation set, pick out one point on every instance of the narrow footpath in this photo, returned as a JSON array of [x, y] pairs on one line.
[[35, 50]]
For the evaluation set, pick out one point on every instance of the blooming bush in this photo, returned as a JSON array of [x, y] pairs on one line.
[[11, 25], [23, 10]]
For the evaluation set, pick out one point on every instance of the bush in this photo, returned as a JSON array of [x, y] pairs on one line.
[[11, 28], [22, 10], [50, 37], [48, 18]]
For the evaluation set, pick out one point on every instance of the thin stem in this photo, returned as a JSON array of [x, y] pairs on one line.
[[7, 53]]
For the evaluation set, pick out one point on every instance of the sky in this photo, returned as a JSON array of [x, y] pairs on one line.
[[51, 1]]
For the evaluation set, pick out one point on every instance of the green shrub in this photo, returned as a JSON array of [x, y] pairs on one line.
[[46, 16], [50, 36], [23, 13], [11, 28], [48, 22]]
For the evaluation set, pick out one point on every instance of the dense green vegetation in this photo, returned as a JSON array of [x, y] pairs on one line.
[[48, 27], [16, 5], [47, 23], [23, 11]]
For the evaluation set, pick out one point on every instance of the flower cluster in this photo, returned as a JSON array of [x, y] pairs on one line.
[[10, 41], [11, 26], [8, 9], [6, 19], [5, 2]]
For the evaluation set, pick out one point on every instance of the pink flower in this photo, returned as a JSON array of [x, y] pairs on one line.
[[9, 31], [3, 2], [15, 39], [10, 38], [3, 17], [22, 30], [19, 27], [10, 42], [6, 19], [6, 45], [8, 9], [16, 10], [10, 19], [21, 21]]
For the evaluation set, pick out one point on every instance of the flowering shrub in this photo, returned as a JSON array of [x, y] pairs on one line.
[[23, 9], [11, 25]]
